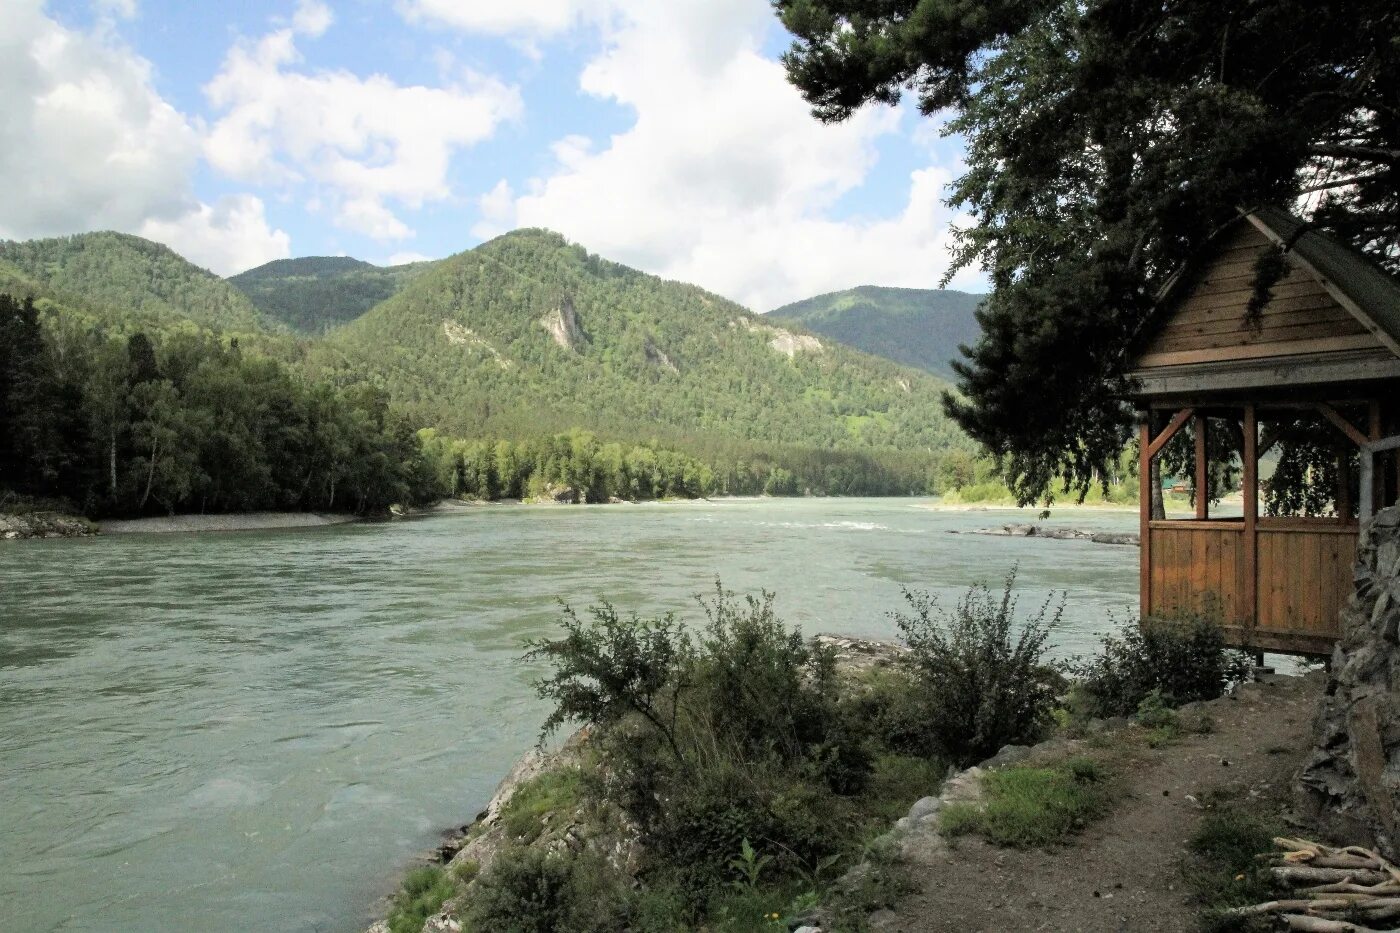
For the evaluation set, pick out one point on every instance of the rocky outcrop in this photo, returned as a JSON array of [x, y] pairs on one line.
[[657, 357], [558, 495], [460, 336], [1351, 787], [790, 344], [1059, 534], [44, 525], [564, 326]]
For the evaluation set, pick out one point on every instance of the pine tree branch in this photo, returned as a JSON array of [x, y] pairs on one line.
[[1357, 153]]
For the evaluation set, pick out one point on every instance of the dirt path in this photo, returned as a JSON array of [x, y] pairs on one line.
[[1123, 873]]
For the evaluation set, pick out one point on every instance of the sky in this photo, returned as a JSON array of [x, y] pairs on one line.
[[662, 135]]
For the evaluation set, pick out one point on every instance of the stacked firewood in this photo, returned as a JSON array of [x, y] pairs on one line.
[[1347, 890]]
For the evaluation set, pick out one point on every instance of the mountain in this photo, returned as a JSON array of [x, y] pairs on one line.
[[917, 327], [529, 334], [135, 278], [316, 293]]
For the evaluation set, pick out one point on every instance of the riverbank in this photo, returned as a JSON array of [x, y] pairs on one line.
[[243, 521], [1123, 870]]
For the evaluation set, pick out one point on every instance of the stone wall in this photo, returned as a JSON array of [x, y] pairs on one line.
[[1352, 784]]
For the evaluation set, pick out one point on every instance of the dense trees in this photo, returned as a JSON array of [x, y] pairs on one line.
[[1105, 141], [316, 293], [130, 426]]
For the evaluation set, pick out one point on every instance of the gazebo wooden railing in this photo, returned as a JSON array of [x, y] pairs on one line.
[[1278, 584]]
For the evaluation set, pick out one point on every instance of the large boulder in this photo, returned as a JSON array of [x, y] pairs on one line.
[[1352, 784]]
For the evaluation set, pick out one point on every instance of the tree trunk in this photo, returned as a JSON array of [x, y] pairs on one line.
[[112, 462], [151, 473], [1159, 509]]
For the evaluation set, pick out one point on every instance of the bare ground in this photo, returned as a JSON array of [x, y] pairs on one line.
[[1124, 872]]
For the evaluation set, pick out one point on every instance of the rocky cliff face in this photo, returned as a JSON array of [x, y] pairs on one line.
[[1352, 784], [563, 325]]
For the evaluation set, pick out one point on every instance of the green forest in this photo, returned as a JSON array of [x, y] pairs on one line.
[[134, 383]]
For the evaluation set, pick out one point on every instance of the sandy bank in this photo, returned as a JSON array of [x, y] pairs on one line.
[[247, 521]]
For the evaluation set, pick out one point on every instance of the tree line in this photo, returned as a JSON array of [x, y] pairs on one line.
[[129, 425]]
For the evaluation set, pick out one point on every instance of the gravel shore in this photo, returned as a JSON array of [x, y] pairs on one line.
[[248, 521]]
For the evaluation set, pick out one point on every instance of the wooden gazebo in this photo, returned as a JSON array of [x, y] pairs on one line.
[[1325, 348]]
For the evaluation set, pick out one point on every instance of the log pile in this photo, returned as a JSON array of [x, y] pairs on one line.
[[1346, 890]]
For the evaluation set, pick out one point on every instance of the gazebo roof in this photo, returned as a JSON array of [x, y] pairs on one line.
[[1334, 318]]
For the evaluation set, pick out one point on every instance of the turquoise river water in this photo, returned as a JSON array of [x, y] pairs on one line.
[[258, 730]]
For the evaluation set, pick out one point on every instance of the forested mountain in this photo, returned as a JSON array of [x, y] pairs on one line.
[[314, 294], [135, 382], [528, 334], [914, 326], [136, 278]]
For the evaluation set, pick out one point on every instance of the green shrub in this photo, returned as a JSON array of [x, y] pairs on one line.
[[530, 891], [423, 893], [734, 733], [887, 706], [983, 687], [1027, 807], [1182, 659]]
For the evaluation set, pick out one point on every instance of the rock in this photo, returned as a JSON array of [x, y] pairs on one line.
[[1008, 755], [923, 807], [857, 654], [1351, 785], [558, 495], [564, 326], [1056, 533], [44, 525]]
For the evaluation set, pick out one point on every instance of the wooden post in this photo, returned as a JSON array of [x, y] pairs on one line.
[[1202, 470], [1251, 518], [1344, 487], [1145, 510]]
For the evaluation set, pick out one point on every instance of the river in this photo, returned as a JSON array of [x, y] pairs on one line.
[[256, 730]]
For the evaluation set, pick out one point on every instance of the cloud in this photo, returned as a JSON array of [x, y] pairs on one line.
[[229, 237], [86, 143], [403, 259], [724, 178], [518, 17], [361, 146]]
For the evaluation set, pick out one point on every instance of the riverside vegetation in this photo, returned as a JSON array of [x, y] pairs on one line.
[[735, 776], [132, 382]]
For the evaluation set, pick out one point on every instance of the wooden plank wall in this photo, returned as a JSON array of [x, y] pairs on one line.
[[1209, 323], [1305, 578], [1196, 569]]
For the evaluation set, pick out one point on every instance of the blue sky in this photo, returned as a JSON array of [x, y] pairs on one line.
[[663, 136]]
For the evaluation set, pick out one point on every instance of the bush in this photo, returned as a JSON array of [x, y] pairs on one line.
[[423, 893], [530, 891], [734, 733], [1028, 807], [1182, 659], [983, 688]]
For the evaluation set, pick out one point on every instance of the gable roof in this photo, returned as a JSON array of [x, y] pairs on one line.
[[1354, 280], [1334, 317]]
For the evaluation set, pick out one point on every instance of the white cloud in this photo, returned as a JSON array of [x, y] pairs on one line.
[[403, 259], [229, 237], [724, 178], [86, 143], [356, 144], [514, 17]]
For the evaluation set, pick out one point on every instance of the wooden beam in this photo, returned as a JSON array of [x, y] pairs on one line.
[[1343, 425], [1258, 351], [1202, 470], [1145, 508], [1250, 455], [1176, 424]]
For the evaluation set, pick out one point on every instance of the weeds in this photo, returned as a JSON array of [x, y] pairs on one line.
[[423, 893], [1028, 807], [1223, 870]]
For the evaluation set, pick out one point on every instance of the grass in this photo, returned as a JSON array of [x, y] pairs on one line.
[[1033, 807], [423, 893], [1223, 871], [896, 781], [557, 791]]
